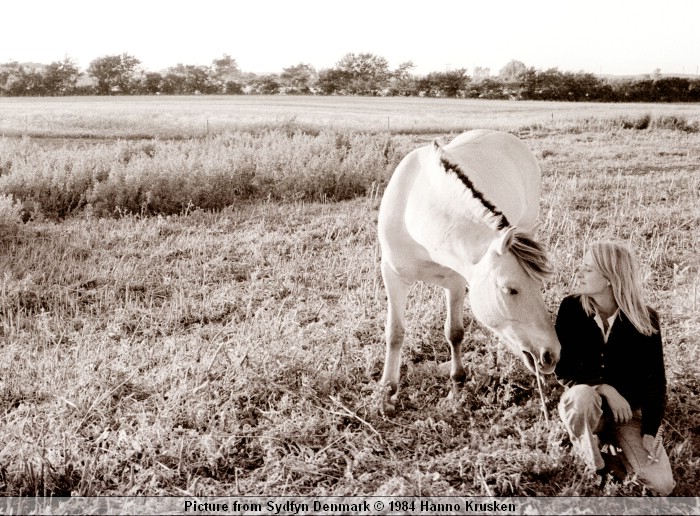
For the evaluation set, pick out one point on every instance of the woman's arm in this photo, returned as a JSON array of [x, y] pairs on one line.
[[565, 370], [654, 374], [576, 364]]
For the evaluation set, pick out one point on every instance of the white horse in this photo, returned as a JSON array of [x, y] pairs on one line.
[[461, 215]]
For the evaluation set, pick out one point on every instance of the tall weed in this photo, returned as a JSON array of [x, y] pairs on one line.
[[10, 210], [169, 177]]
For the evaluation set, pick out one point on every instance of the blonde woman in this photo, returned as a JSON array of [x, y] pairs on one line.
[[612, 366]]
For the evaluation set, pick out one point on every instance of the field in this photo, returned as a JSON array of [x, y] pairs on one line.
[[165, 346], [185, 117]]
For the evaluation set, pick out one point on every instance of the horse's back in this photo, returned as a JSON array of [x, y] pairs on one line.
[[500, 167]]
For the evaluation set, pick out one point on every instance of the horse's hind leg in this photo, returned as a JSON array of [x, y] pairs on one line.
[[454, 332], [397, 294]]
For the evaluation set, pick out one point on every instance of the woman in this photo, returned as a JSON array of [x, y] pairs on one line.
[[612, 366]]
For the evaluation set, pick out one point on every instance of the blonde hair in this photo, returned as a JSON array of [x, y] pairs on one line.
[[615, 262]]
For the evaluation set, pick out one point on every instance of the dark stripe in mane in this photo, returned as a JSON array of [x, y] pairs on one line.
[[451, 167]]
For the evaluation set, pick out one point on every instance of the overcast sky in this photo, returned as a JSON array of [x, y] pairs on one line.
[[599, 36]]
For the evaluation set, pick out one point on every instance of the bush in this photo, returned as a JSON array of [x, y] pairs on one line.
[[641, 122], [169, 177], [646, 121], [10, 210], [676, 123]]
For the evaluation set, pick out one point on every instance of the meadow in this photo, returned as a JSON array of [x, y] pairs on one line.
[[195, 308], [196, 116]]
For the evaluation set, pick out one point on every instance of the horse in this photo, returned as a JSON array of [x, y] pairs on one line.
[[462, 216]]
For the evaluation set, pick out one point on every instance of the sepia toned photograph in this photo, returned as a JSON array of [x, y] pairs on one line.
[[350, 258]]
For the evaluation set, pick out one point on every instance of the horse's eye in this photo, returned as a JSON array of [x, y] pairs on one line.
[[510, 291]]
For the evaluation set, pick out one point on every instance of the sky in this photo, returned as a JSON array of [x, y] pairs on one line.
[[616, 37]]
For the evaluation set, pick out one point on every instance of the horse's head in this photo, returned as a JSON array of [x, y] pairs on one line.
[[505, 295]]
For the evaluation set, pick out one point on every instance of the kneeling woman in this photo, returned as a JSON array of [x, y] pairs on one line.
[[612, 366]]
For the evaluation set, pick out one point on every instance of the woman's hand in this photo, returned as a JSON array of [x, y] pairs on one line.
[[618, 404]]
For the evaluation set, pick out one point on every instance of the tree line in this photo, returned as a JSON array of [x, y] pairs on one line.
[[354, 74]]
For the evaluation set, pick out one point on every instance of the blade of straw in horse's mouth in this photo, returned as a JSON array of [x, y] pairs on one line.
[[539, 387]]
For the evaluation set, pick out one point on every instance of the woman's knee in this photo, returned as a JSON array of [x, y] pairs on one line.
[[580, 409], [580, 397], [660, 485]]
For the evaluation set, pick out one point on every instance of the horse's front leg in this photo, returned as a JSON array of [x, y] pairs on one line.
[[397, 294], [454, 333]]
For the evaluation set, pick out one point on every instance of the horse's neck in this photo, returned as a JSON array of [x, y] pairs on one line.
[[459, 243]]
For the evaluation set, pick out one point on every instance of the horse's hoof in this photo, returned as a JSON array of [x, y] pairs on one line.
[[388, 409], [387, 396]]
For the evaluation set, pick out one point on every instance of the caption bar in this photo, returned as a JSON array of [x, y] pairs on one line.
[[358, 505]]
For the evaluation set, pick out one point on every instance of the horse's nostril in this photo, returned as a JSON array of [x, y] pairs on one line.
[[546, 358], [530, 358]]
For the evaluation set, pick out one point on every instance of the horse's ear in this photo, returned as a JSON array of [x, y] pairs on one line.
[[437, 150], [503, 241]]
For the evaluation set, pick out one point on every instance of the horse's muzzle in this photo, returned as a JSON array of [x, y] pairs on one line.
[[544, 364]]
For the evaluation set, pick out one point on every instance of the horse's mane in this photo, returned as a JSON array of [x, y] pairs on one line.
[[490, 214], [531, 256]]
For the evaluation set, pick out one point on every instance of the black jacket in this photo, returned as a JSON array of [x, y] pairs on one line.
[[631, 362]]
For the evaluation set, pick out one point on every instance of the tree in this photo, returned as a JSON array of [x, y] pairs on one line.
[[298, 79], [233, 88], [333, 81], [21, 79], [368, 74], [226, 67], [190, 80], [444, 84], [12, 78], [584, 86], [115, 73], [551, 85], [454, 83], [512, 71], [488, 88], [198, 80], [224, 74], [265, 85], [173, 84], [152, 83], [402, 82], [60, 78], [672, 89], [481, 73]]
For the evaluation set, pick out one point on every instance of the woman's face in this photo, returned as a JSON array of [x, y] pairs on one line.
[[591, 281]]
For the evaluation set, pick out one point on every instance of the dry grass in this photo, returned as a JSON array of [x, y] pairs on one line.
[[238, 351], [172, 177], [196, 116]]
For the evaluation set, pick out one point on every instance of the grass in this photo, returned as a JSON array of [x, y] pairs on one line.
[[96, 118], [237, 351], [170, 177]]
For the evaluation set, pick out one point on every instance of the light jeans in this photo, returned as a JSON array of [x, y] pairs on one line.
[[581, 410]]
